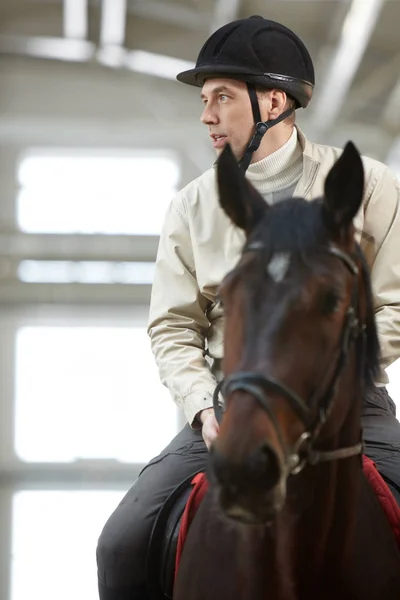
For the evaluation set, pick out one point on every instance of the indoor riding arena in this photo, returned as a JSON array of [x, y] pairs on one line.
[[118, 225]]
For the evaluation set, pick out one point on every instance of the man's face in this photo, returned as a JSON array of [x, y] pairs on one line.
[[227, 114]]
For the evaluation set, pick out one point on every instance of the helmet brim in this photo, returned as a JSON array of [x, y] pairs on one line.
[[300, 90], [198, 75]]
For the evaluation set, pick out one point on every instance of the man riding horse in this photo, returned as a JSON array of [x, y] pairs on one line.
[[253, 74]]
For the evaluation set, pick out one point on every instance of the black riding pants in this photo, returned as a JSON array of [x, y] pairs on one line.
[[122, 546]]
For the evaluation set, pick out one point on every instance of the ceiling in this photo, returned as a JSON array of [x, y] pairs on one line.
[[102, 73], [354, 43]]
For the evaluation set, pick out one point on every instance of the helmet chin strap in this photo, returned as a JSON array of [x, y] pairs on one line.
[[261, 127]]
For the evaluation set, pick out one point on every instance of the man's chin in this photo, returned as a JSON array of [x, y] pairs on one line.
[[219, 151]]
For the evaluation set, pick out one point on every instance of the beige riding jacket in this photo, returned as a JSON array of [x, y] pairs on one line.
[[199, 245]]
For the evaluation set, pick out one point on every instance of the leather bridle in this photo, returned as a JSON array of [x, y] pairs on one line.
[[258, 386]]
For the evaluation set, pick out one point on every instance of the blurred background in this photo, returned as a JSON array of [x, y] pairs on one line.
[[89, 109]]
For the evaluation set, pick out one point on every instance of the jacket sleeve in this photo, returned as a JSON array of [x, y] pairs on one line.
[[382, 224], [178, 323]]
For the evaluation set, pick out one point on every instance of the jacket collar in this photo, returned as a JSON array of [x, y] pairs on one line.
[[310, 166]]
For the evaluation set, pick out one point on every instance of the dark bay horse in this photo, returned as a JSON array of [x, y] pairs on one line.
[[289, 514]]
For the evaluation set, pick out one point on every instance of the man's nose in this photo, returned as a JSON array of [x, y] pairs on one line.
[[209, 116]]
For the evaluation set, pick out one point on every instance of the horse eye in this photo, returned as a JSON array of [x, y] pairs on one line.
[[330, 303]]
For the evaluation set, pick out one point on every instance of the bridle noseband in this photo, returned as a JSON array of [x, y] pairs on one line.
[[259, 386]]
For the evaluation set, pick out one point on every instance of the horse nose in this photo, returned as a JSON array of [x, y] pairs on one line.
[[262, 465], [258, 470]]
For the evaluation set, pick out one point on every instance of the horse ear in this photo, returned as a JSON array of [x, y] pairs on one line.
[[344, 189], [237, 197]]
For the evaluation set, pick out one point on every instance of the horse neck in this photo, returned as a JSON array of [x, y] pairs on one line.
[[317, 524]]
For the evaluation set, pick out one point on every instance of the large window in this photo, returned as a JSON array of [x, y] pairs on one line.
[[68, 271], [84, 408], [73, 191], [54, 543], [89, 392], [89, 411]]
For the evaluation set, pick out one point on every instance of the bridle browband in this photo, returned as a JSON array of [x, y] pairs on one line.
[[259, 385]]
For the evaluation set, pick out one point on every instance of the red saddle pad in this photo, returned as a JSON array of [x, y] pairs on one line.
[[381, 489], [384, 495]]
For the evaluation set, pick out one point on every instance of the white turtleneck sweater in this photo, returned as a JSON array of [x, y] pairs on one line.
[[276, 175]]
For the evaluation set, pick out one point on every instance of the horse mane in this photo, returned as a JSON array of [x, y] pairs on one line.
[[297, 226], [293, 225]]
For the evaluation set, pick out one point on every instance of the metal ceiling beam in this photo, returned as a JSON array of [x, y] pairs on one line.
[[74, 247], [75, 19], [141, 132], [13, 293], [371, 87], [372, 139], [113, 22], [112, 54], [224, 12], [68, 50], [357, 29], [82, 474], [171, 13], [391, 111]]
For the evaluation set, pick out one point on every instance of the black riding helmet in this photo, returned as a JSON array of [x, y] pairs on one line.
[[262, 53]]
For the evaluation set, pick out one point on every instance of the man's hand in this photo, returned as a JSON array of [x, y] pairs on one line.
[[210, 428]]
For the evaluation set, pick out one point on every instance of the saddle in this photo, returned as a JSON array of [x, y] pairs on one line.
[[163, 546], [173, 522]]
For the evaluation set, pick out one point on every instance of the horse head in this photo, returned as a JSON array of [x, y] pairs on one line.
[[300, 338]]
